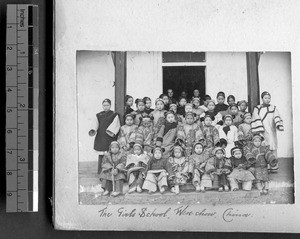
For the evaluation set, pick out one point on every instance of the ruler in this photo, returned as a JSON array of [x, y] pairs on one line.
[[22, 108]]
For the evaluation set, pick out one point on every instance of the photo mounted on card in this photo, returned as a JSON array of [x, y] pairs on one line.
[[154, 132]]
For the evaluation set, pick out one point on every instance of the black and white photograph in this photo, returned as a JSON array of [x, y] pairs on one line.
[[184, 128]]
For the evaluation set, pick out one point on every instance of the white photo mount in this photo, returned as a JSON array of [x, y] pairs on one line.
[[158, 26]]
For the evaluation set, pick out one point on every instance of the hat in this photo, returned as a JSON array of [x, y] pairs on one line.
[[265, 93], [207, 97], [146, 116], [233, 105], [227, 116], [172, 105], [209, 116], [221, 93], [196, 99], [170, 112], [139, 145], [162, 150], [129, 115], [114, 142], [235, 149], [246, 114], [138, 101], [258, 136], [217, 149], [159, 99], [241, 102], [200, 143], [106, 101], [189, 113], [209, 101], [188, 104], [177, 147]]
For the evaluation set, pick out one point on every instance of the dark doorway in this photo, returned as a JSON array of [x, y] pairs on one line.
[[186, 78]]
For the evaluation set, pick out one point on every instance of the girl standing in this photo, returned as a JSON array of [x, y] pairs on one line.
[[220, 106], [140, 112], [128, 104], [266, 120], [148, 104], [106, 127], [145, 133]]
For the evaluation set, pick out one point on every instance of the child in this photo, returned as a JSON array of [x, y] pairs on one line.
[[145, 133], [261, 156], [126, 136], [112, 175], [228, 132], [136, 164], [196, 94], [180, 109], [210, 133], [220, 106], [216, 117], [216, 170], [266, 119], [244, 130], [230, 100], [157, 173], [188, 108], [173, 108], [197, 162], [158, 114], [148, 103], [197, 109], [236, 114], [172, 100], [243, 105], [180, 167], [167, 133], [140, 112], [240, 172], [189, 133], [165, 99], [128, 104]]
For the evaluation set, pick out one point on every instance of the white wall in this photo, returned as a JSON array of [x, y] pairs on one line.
[[144, 75], [95, 77], [275, 77], [227, 72]]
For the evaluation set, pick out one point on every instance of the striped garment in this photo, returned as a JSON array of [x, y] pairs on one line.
[[265, 119]]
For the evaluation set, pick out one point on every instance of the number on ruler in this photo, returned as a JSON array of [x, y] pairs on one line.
[[9, 48], [9, 131], [9, 68], [9, 173], [9, 89], [9, 194], [9, 110], [22, 105]]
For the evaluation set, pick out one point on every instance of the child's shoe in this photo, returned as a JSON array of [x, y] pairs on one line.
[[220, 189], [131, 190], [235, 189], [138, 189], [226, 188], [162, 190], [115, 194], [176, 189], [106, 192], [198, 188], [173, 190], [150, 192], [202, 189]]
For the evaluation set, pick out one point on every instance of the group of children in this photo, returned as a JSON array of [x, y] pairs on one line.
[[211, 145]]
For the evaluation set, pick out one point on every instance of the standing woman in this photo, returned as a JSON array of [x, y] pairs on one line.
[[106, 129], [266, 120]]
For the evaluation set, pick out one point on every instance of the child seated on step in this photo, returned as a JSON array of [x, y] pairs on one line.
[[261, 156], [112, 175], [210, 133], [189, 133], [220, 106], [145, 133], [136, 165], [241, 171], [236, 114], [140, 112], [180, 109], [158, 114], [127, 132], [197, 162], [157, 173], [216, 117], [244, 130], [216, 170], [180, 167], [228, 131], [243, 106], [167, 134]]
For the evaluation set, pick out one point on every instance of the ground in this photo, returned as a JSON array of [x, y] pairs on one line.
[[281, 191]]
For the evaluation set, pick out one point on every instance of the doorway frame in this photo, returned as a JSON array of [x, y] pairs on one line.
[[168, 64]]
